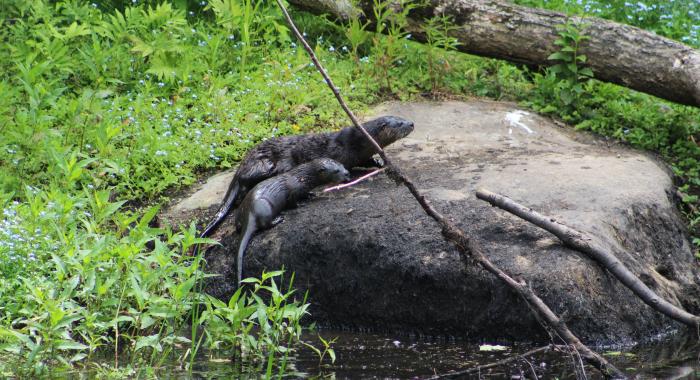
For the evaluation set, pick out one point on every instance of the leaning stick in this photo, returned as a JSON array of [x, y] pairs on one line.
[[582, 243], [469, 249], [358, 180]]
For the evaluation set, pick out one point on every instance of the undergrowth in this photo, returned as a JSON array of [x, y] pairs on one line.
[[105, 107]]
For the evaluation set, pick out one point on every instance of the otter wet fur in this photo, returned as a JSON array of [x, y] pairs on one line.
[[262, 205], [278, 155]]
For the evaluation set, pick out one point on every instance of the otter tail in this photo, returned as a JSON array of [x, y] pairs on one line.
[[225, 208], [245, 239]]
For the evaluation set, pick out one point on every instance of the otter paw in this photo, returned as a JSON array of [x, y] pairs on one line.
[[378, 162]]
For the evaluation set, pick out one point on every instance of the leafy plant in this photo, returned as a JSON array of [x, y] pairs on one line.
[[438, 41], [391, 19], [253, 329], [675, 19], [155, 34], [357, 35], [569, 70], [325, 350], [253, 21]]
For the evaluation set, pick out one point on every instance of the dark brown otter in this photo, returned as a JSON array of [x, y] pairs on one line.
[[278, 155], [261, 207]]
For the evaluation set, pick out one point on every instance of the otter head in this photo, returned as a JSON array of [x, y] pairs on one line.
[[330, 171], [387, 129]]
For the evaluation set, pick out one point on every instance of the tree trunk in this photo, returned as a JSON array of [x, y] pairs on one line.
[[616, 53]]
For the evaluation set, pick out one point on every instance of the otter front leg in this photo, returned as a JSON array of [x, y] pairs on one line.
[[372, 162], [277, 221]]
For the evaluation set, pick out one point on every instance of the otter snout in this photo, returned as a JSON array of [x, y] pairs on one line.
[[388, 129], [340, 174], [406, 127], [345, 175], [401, 127], [330, 170]]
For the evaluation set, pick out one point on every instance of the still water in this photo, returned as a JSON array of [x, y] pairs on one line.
[[383, 356]]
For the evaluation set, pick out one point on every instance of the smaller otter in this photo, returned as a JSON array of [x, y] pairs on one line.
[[262, 205]]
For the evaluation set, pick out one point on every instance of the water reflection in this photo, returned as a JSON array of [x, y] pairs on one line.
[[384, 356]]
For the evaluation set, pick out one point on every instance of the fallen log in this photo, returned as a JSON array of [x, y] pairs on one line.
[[616, 53], [582, 243]]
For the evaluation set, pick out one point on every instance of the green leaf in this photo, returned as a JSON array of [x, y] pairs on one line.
[[122, 318], [74, 30], [110, 209], [550, 108], [183, 288], [68, 321], [268, 275], [70, 345], [586, 71], [148, 216], [147, 321], [234, 298], [151, 341], [559, 56], [77, 357], [566, 96], [141, 47]]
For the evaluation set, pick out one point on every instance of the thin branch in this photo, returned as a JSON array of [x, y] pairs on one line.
[[328, 80], [354, 182], [495, 364], [469, 249], [580, 242]]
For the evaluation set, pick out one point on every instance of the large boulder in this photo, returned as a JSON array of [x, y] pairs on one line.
[[371, 258]]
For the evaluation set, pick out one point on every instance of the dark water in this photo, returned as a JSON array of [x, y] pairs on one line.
[[382, 356]]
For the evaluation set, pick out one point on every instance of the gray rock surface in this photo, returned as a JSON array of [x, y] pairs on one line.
[[371, 258]]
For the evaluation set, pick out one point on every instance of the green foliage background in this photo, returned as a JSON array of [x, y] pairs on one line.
[[107, 106]]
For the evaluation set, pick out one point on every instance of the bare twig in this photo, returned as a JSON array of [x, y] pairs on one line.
[[533, 372], [468, 249], [356, 181], [495, 364], [582, 243]]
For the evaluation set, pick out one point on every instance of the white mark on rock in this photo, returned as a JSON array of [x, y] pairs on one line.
[[676, 63], [513, 119]]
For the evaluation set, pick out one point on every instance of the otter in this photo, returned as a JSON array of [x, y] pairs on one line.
[[275, 156], [262, 205]]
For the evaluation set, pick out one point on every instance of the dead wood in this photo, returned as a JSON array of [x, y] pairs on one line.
[[616, 53], [583, 243], [470, 250], [510, 359]]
